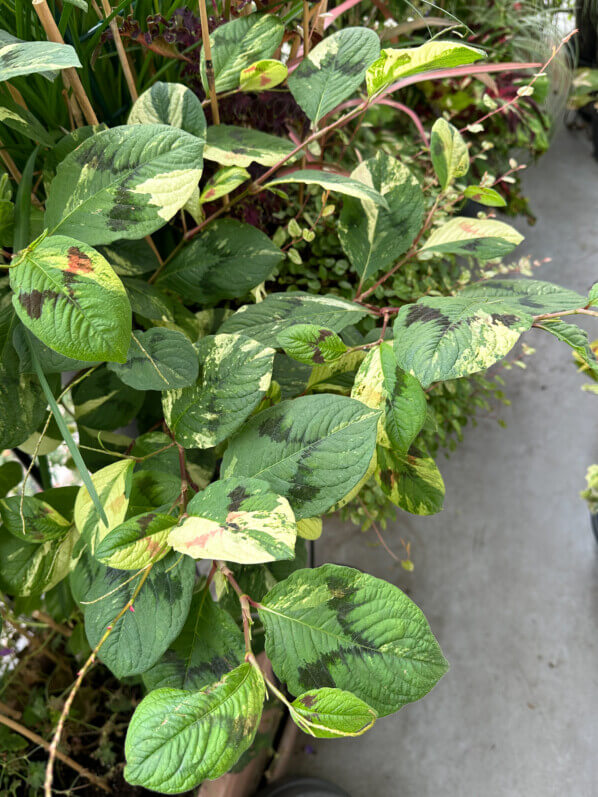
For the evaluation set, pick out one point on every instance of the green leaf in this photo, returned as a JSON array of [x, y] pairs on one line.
[[333, 70], [30, 568], [574, 337], [103, 402], [130, 258], [159, 359], [334, 626], [25, 58], [137, 542], [265, 321], [485, 196], [484, 239], [226, 261], [450, 156], [263, 75], [411, 481], [237, 45], [331, 181], [309, 528], [69, 297], [22, 226], [113, 486], [234, 377], [223, 182], [373, 237], [176, 738], [23, 122], [125, 182], [209, 646], [447, 337], [381, 384], [238, 520], [400, 63], [529, 296], [170, 104], [295, 446], [51, 362], [242, 146], [141, 636], [311, 344], [11, 473], [331, 713], [39, 522], [593, 295]]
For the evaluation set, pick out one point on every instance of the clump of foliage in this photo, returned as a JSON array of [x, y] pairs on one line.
[[211, 421]]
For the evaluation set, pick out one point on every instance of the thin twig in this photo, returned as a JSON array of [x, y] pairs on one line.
[[207, 48], [122, 56]]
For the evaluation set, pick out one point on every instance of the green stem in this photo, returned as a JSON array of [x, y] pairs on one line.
[[44, 470]]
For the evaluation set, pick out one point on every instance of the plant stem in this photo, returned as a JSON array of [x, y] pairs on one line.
[[33, 737], [207, 48], [244, 600], [53, 747]]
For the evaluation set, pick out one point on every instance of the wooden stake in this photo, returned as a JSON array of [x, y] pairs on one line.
[[207, 48], [70, 73], [122, 56]]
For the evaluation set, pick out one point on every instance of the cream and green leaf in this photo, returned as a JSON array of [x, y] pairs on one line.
[[412, 481], [230, 145], [137, 542], [329, 713], [170, 104], [484, 239], [450, 156]]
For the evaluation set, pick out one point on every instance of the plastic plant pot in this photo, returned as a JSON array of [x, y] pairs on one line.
[[303, 787]]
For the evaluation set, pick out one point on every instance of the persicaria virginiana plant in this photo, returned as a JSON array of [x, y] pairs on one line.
[[211, 420]]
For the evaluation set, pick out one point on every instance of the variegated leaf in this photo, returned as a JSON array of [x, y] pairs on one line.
[[485, 196], [125, 182], [484, 239], [447, 337], [331, 181], [242, 146], [113, 486], [223, 182], [381, 384], [333, 70], [374, 237], [279, 311], [394, 64], [176, 738], [35, 521], [311, 344], [170, 104], [309, 528], [238, 44], [237, 520], [136, 542], [225, 261], [34, 568], [333, 626], [528, 295], [159, 359], [574, 337], [234, 377], [332, 713], [450, 156], [142, 634], [67, 294], [210, 645], [295, 445], [411, 481], [19, 57], [263, 75]]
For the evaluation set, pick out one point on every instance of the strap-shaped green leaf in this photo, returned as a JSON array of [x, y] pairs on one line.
[[176, 739], [18, 57], [450, 156], [235, 375], [374, 237], [484, 239], [224, 262], [446, 337], [238, 44], [241, 146], [143, 633], [295, 447], [337, 627], [279, 311], [67, 294], [159, 359], [332, 713], [125, 182], [238, 520], [381, 384], [399, 63], [210, 645], [333, 70], [170, 104], [412, 481], [331, 181]]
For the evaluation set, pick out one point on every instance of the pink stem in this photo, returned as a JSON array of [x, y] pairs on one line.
[[411, 114]]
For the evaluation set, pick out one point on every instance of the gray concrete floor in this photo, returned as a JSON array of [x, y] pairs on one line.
[[507, 573]]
